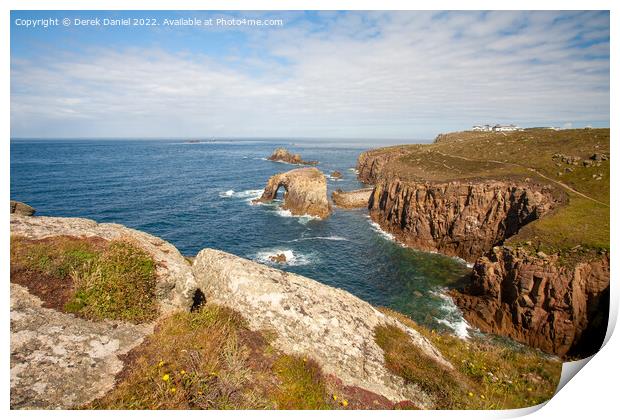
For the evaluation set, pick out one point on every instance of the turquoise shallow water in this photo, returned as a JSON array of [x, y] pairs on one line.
[[198, 195]]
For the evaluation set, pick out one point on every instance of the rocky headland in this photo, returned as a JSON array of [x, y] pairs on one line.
[[535, 227], [305, 192], [283, 155]]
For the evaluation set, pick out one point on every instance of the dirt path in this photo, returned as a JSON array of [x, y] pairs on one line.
[[561, 184]]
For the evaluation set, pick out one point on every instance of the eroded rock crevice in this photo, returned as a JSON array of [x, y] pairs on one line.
[[558, 308]]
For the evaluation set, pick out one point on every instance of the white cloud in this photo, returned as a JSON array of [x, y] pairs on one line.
[[380, 75]]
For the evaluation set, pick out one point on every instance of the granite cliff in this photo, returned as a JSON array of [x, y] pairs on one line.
[[456, 218], [536, 228]]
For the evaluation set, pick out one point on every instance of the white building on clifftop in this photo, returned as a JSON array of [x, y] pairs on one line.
[[496, 127]]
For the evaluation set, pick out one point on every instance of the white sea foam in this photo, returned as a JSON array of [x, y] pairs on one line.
[[228, 193], [248, 195], [292, 258], [454, 320], [377, 228], [462, 261], [301, 218], [354, 170]]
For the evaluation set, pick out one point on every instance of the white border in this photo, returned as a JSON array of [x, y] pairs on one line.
[[591, 395]]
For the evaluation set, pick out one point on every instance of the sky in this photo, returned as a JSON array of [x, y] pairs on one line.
[[382, 75]]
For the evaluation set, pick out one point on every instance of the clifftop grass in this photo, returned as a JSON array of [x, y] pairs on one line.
[[486, 375], [210, 359], [91, 277], [467, 156]]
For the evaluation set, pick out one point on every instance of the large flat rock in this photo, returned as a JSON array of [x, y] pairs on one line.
[[330, 325]]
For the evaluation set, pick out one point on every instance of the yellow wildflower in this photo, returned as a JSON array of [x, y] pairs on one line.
[[471, 394], [183, 372], [165, 378], [529, 389], [173, 390], [345, 403], [482, 396], [335, 397]]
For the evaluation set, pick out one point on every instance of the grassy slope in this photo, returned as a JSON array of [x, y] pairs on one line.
[[486, 375], [581, 222]]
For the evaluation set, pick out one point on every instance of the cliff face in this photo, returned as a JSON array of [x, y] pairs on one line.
[[458, 219], [538, 300], [535, 300], [306, 192], [370, 164]]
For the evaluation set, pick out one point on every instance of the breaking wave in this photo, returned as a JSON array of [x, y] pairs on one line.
[[292, 258], [454, 317]]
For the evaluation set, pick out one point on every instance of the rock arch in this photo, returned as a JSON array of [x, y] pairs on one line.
[[305, 192]]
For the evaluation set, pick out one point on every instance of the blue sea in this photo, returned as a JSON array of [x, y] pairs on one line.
[[198, 195]]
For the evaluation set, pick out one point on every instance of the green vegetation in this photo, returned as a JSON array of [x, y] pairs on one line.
[[103, 280], [528, 156], [487, 375], [210, 359], [302, 386]]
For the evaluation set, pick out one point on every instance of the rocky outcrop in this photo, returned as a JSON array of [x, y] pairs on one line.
[[17, 207], [352, 199], [536, 300], [283, 155], [305, 192], [458, 219], [336, 175], [332, 326], [370, 164], [175, 285], [61, 361]]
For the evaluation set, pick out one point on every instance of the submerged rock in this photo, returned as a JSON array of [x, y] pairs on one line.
[[305, 192], [283, 155], [278, 258]]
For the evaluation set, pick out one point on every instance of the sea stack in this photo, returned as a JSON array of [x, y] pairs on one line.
[[305, 192], [283, 155]]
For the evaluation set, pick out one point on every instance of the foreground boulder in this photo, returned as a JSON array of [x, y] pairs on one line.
[[283, 155], [62, 361], [306, 192], [17, 207], [352, 199], [330, 325]]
